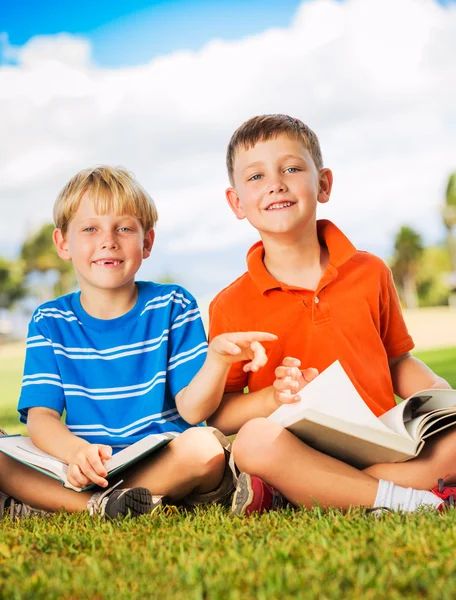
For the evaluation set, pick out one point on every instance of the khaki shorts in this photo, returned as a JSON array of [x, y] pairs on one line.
[[223, 493]]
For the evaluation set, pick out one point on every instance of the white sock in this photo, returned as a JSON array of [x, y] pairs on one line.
[[398, 498]]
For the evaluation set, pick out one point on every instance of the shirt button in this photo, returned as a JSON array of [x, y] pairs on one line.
[[317, 300]]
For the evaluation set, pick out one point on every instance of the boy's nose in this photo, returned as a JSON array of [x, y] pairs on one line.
[[277, 187], [109, 244]]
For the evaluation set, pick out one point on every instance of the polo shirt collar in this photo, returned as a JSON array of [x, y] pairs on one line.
[[339, 246]]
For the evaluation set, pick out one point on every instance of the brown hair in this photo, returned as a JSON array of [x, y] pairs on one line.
[[109, 187], [266, 127]]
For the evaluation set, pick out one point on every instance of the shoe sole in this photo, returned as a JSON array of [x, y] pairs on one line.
[[134, 502], [243, 496]]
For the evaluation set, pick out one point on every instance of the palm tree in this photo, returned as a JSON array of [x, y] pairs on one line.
[[408, 248]]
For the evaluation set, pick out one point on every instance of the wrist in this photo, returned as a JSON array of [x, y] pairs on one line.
[[217, 361], [74, 448], [272, 403]]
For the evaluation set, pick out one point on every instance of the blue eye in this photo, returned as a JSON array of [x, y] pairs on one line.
[[89, 229], [255, 177], [125, 229], [291, 170]]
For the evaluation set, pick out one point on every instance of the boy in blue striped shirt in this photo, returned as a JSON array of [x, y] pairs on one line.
[[124, 359]]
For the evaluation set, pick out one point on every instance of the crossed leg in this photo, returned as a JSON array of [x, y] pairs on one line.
[[305, 475], [192, 462]]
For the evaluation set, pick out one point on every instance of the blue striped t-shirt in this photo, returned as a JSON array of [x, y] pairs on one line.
[[117, 378]]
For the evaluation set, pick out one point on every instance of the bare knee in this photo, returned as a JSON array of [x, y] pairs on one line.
[[201, 451], [253, 447]]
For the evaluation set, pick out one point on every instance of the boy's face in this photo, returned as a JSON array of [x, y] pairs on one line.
[[106, 250], [277, 186]]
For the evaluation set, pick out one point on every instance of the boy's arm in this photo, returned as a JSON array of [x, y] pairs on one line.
[[411, 375], [237, 408], [202, 396], [84, 460]]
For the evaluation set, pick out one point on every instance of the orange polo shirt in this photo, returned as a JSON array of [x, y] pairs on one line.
[[353, 316]]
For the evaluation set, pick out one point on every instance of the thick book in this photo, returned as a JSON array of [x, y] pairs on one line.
[[332, 417], [23, 450]]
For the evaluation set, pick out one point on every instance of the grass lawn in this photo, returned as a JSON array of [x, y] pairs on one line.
[[205, 555]]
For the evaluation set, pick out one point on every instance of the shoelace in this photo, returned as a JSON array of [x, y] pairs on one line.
[[20, 510], [97, 503]]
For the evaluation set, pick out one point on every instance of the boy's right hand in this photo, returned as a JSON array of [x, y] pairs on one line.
[[290, 379], [86, 465]]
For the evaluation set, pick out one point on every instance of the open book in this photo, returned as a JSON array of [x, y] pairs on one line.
[[332, 417], [22, 449]]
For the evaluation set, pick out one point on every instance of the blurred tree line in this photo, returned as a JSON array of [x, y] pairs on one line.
[[37, 256], [423, 275]]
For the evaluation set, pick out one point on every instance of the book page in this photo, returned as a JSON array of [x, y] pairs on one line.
[[395, 417], [331, 393], [437, 399], [147, 444], [23, 449], [419, 426], [353, 444], [412, 415]]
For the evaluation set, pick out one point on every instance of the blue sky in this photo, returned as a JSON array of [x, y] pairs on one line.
[[127, 33], [134, 32], [102, 95]]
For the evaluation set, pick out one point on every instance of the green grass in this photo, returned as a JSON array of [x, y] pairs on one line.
[[209, 555], [10, 387]]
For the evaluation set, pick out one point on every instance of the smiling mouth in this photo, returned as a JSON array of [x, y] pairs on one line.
[[280, 205], [108, 263]]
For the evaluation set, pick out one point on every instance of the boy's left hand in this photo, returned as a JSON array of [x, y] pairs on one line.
[[290, 380], [240, 346]]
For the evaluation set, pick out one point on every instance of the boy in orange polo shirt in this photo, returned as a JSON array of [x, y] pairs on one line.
[[325, 300]]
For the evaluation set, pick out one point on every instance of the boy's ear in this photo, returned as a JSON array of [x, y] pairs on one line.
[[326, 181], [149, 238], [61, 244], [235, 203]]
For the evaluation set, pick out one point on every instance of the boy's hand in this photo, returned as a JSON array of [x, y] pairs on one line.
[[86, 466], [290, 380], [240, 346]]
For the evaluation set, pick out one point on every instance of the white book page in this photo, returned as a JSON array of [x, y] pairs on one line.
[[24, 450], [394, 419], [331, 393], [439, 399], [127, 454], [399, 418], [418, 427]]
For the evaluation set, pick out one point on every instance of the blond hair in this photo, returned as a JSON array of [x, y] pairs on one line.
[[110, 188], [267, 127]]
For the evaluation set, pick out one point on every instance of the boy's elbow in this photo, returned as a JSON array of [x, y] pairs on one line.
[[193, 419]]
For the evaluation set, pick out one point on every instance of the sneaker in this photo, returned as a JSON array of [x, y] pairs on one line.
[[11, 507], [447, 493], [254, 495], [115, 503]]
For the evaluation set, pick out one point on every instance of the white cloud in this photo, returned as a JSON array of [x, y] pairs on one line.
[[374, 78]]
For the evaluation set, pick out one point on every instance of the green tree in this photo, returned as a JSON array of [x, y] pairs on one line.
[[408, 249], [39, 255], [449, 217], [435, 265], [451, 190], [12, 287]]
